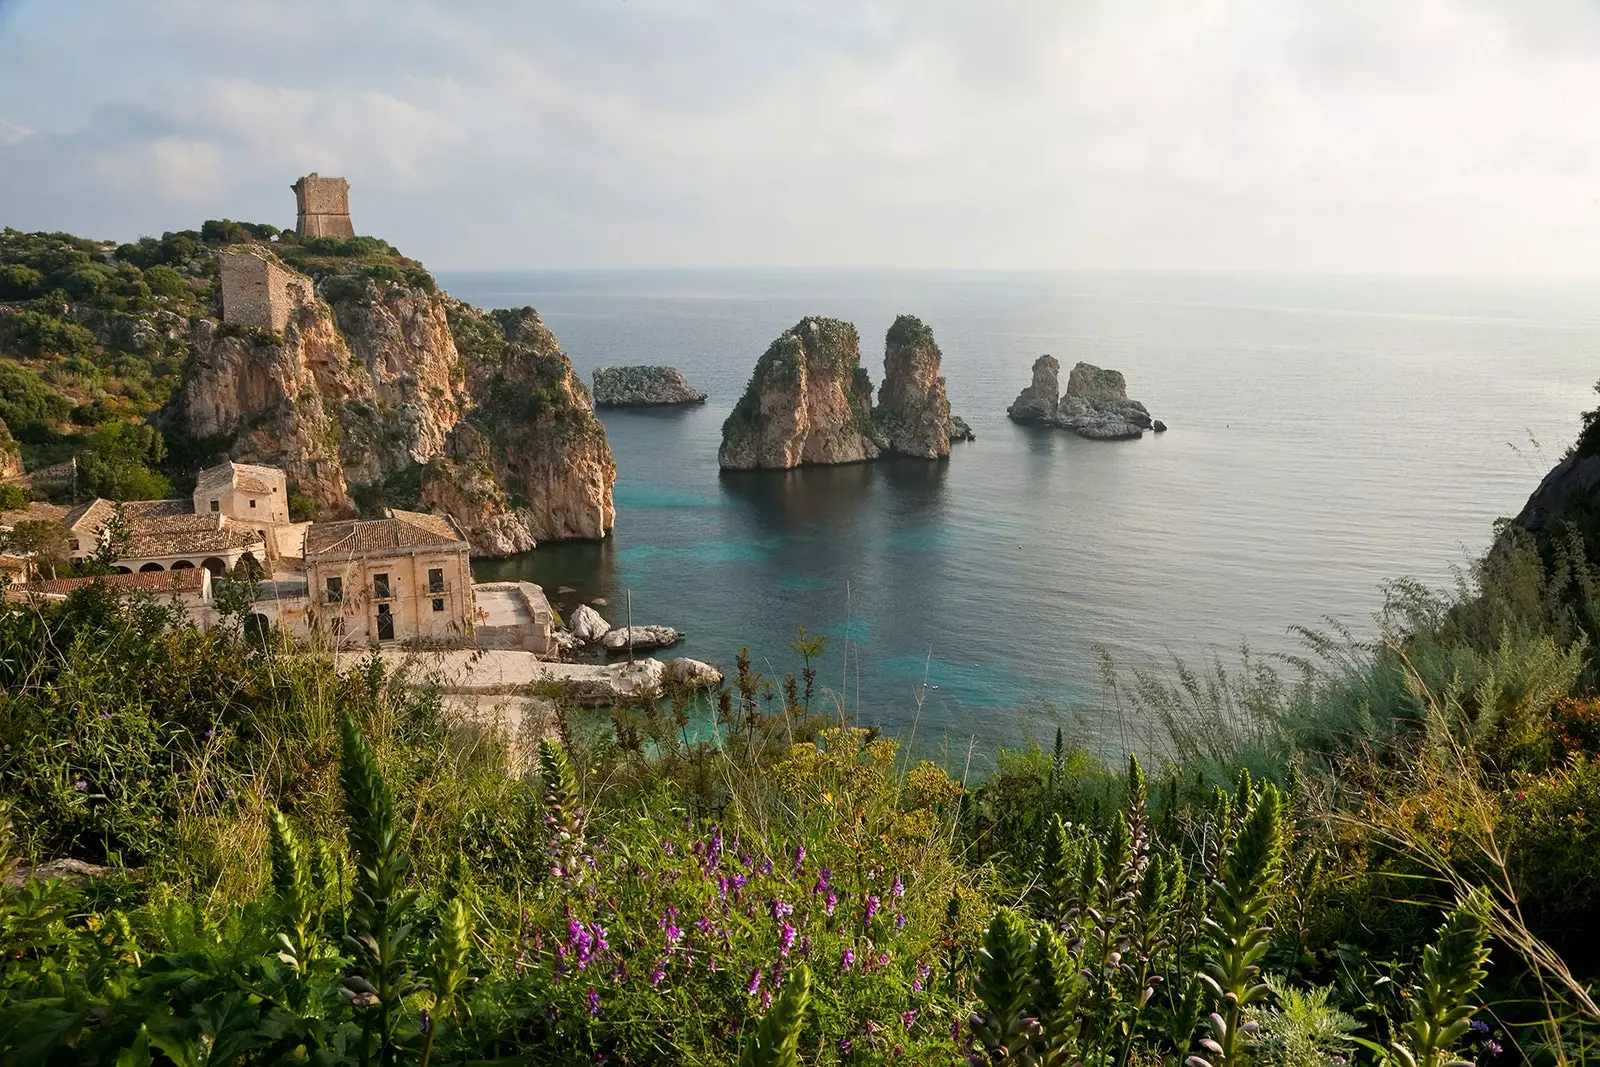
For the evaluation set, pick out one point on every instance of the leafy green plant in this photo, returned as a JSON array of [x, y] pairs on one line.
[[1441, 1003], [776, 1041]]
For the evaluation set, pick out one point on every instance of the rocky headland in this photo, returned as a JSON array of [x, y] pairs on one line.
[[639, 387], [810, 400], [1095, 405], [380, 391]]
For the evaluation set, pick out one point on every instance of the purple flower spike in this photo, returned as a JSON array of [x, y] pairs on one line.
[[754, 985], [594, 1002]]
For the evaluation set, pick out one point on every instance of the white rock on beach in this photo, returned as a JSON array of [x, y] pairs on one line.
[[588, 625], [696, 674], [641, 637]]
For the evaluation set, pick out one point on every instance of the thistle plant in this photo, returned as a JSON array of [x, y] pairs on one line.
[[1005, 1030], [297, 894], [379, 906], [776, 1040], [1452, 969], [563, 818], [1237, 929]]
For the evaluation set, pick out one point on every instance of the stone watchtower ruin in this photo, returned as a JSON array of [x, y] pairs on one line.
[[322, 206]]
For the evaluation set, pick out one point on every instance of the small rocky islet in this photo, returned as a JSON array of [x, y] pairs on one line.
[[1095, 405], [809, 400], [643, 387]]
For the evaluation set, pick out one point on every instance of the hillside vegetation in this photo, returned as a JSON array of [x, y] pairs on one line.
[[1382, 854]]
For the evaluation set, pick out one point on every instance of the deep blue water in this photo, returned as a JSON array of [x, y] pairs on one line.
[[1327, 434]]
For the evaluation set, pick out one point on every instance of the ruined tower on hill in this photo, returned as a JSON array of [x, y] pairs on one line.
[[322, 206]]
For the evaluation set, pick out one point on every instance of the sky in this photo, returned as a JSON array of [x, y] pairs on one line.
[[1432, 137]]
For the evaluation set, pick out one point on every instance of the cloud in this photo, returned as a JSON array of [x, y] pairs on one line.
[[1419, 136]]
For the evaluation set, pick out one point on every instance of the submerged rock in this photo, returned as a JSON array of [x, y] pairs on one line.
[[913, 414], [640, 638], [1038, 402], [808, 401], [587, 624], [643, 387]]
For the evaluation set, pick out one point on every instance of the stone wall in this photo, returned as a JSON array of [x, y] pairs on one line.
[[322, 207], [257, 292]]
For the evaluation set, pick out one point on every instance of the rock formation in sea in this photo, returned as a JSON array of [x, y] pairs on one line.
[[913, 414], [383, 392], [1095, 404], [634, 387], [1038, 402], [809, 401]]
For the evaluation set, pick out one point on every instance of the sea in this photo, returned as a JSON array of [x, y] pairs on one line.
[[1327, 434]]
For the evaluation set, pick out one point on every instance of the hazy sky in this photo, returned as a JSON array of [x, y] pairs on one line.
[[1435, 136]]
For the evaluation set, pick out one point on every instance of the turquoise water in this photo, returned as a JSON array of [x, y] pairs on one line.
[[1327, 434]]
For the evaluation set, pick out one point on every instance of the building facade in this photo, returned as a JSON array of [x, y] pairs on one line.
[[404, 578], [257, 292]]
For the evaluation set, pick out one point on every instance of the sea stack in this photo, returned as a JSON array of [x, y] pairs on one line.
[[809, 401], [1095, 404], [913, 414], [639, 387]]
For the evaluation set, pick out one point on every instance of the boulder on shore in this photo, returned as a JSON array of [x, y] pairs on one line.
[[808, 401], [643, 387], [959, 430], [640, 638], [693, 673], [587, 625]]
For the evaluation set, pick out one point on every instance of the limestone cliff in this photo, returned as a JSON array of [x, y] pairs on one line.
[[1038, 402], [461, 482], [545, 446], [10, 454], [913, 414], [365, 396], [809, 401]]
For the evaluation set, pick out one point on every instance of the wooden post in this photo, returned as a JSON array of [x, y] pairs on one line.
[[630, 625]]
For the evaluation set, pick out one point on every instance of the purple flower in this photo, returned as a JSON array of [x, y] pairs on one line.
[[754, 984], [883, 959], [908, 1019], [845, 1045], [899, 887], [1478, 1026], [822, 882], [871, 909], [785, 939], [899, 920], [80, 785], [738, 882], [656, 975], [828, 905], [766, 866], [666, 846], [1492, 1047], [799, 858], [848, 959], [780, 909], [674, 935], [427, 1022], [594, 1002]]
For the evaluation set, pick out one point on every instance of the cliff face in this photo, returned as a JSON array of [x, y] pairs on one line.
[[10, 454], [366, 388], [913, 414], [545, 446], [809, 401], [275, 399]]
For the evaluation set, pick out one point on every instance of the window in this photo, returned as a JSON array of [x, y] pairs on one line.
[[385, 623], [216, 505], [438, 603], [252, 502], [74, 544], [336, 627], [335, 589], [436, 579], [380, 586]]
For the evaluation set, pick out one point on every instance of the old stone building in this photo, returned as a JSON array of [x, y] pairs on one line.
[[322, 207], [258, 292], [403, 578]]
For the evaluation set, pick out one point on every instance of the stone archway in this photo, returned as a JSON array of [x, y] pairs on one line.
[[182, 565], [215, 566], [151, 567]]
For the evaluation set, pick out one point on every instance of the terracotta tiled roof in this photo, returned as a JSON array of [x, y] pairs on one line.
[[149, 509], [186, 535], [247, 476], [403, 531], [37, 511], [90, 517], [187, 580]]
